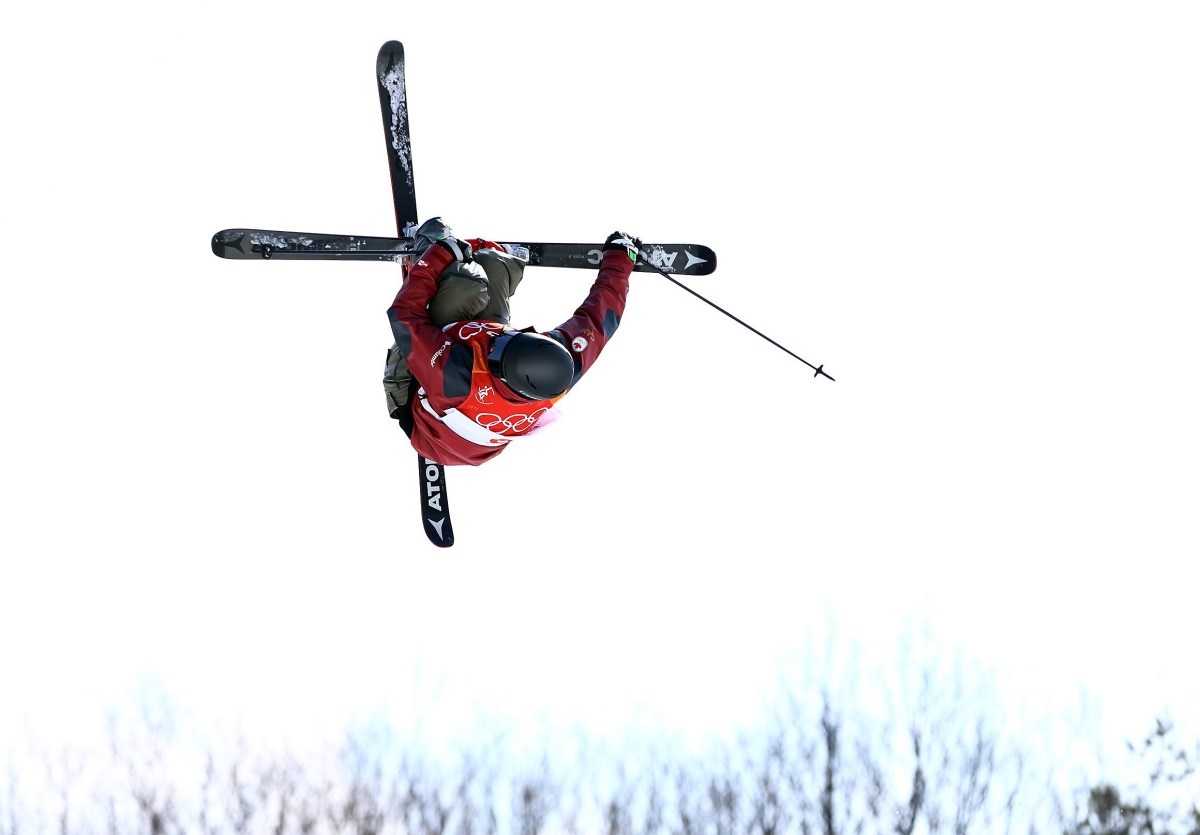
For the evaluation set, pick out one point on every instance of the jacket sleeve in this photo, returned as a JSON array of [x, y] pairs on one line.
[[419, 340], [595, 321]]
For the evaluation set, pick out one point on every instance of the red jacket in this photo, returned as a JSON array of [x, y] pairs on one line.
[[464, 419]]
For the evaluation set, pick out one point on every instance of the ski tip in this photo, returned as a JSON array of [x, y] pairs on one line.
[[226, 242]]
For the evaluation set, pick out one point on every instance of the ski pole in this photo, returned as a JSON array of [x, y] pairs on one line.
[[819, 369]]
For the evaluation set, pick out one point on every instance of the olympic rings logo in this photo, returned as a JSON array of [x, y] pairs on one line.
[[512, 423], [471, 329]]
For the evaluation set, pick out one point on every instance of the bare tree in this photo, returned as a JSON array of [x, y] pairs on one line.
[[536, 794], [1162, 799], [926, 750], [763, 764], [141, 756]]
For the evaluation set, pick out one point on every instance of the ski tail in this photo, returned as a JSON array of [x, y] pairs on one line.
[[435, 504]]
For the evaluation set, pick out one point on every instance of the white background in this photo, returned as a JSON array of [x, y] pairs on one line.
[[981, 218]]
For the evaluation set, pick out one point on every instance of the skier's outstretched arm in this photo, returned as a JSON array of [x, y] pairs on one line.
[[595, 321]]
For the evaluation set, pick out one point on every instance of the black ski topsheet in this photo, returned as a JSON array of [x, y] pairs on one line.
[[677, 259], [393, 105], [244, 244], [435, 503]]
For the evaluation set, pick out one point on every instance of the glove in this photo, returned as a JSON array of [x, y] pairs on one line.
[[435, 231], [624, 242]]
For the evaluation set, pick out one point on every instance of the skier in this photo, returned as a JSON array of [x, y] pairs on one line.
[[463, 382]]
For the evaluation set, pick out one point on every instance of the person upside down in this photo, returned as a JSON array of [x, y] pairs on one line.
[[460, 379]]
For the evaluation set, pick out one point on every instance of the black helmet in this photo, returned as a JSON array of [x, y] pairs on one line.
[[535, 366]]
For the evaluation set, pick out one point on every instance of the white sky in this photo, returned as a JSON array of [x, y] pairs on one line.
[[981, 217]]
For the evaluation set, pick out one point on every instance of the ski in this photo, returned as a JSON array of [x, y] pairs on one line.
[[246, 244], [393, 105], [435, 504]]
